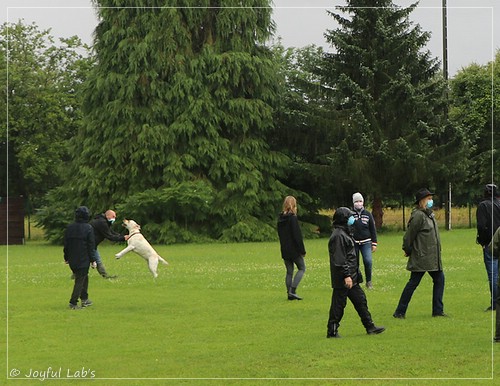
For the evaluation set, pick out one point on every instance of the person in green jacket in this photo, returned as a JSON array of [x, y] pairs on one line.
[[422, 246], [494, 250]]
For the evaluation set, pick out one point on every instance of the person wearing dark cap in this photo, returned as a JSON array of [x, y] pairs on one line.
[[422, 246], [79, 255], [345, 276], [488, 221]]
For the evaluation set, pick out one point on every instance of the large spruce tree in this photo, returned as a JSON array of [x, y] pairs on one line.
[[389, 90], [177, 112]]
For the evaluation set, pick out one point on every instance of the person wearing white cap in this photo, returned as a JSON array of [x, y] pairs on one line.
[[365, 235]]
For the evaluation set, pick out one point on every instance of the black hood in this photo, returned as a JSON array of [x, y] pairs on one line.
[[82, 214], [341, 215]]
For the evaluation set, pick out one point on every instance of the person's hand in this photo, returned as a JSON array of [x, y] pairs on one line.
[[374, 248], [93, 264], [348, 282]]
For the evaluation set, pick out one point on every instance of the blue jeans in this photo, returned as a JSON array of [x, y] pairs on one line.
[[411, 286], [491, 266], [97, 256], [366, 252]]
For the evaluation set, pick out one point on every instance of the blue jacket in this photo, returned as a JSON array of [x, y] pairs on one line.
[[364, 227]]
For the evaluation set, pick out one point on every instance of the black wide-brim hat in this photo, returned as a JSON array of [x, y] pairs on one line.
[[422, 193]]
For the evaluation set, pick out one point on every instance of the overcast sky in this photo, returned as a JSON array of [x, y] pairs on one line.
[[473, 25]]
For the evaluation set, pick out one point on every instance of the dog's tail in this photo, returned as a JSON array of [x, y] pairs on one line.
[[162, 260]]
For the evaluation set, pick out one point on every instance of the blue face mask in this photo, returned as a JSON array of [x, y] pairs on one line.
[[350, 221], [429, 204]]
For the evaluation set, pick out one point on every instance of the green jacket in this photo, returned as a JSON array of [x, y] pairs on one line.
[[421, 242]]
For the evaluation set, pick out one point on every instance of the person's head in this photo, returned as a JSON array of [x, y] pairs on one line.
[[290, 205], [490, 190], [358, 201], [343, 216], [423, 198], [82, 214], [110, 216]]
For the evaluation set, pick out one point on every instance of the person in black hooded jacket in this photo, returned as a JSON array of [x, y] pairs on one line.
[[79, 255], [346, 276], [292, 246]]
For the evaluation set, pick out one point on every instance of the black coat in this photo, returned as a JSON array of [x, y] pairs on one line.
[[487, 209], [343, 259], [102, 230], [79, 245], [291, 243]]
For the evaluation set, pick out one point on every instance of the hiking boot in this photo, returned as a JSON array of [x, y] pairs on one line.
[[74, 306], [372, 330], [86, 303]]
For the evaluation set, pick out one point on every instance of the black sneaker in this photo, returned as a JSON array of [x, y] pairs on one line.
[[86, 303], [398, 316], [440, 314], [74, 306], [294, 297]]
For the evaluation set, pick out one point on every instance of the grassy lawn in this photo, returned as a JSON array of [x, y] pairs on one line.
[[219, 315]]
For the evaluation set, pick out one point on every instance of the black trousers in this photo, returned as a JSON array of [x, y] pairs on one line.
[[357, 298], [81, 285]]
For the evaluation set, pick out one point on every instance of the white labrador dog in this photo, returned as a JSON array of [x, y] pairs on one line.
[[138, 243]]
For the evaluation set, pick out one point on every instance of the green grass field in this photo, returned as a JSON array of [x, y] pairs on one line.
[[219, 315]]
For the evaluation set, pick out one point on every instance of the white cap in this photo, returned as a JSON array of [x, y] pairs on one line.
[[357, 197]]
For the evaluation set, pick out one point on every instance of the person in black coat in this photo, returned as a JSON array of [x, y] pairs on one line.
[[102, 230], [79, 255], [488, 221], [292, 246], [346, 276]]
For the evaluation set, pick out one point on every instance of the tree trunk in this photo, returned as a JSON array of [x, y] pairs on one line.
[[378, 212]]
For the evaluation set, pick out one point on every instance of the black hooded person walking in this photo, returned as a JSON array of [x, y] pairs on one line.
[[79, 254], [346, 276], [292, 246]]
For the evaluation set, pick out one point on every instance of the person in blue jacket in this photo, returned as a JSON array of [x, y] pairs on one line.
[[365, 235]]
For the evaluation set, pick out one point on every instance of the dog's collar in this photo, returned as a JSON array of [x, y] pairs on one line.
[[133, 234]]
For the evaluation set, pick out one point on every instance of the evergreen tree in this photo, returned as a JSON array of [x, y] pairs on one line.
[[390, 93], [473, 109], [177, 112], [304, 120]]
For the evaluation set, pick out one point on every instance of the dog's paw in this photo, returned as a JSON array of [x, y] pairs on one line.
[[117, 256]]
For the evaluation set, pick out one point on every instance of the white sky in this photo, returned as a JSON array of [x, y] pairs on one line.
[[473, 25]]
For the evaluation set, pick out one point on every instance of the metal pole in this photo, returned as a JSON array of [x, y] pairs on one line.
[[445, 75]]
